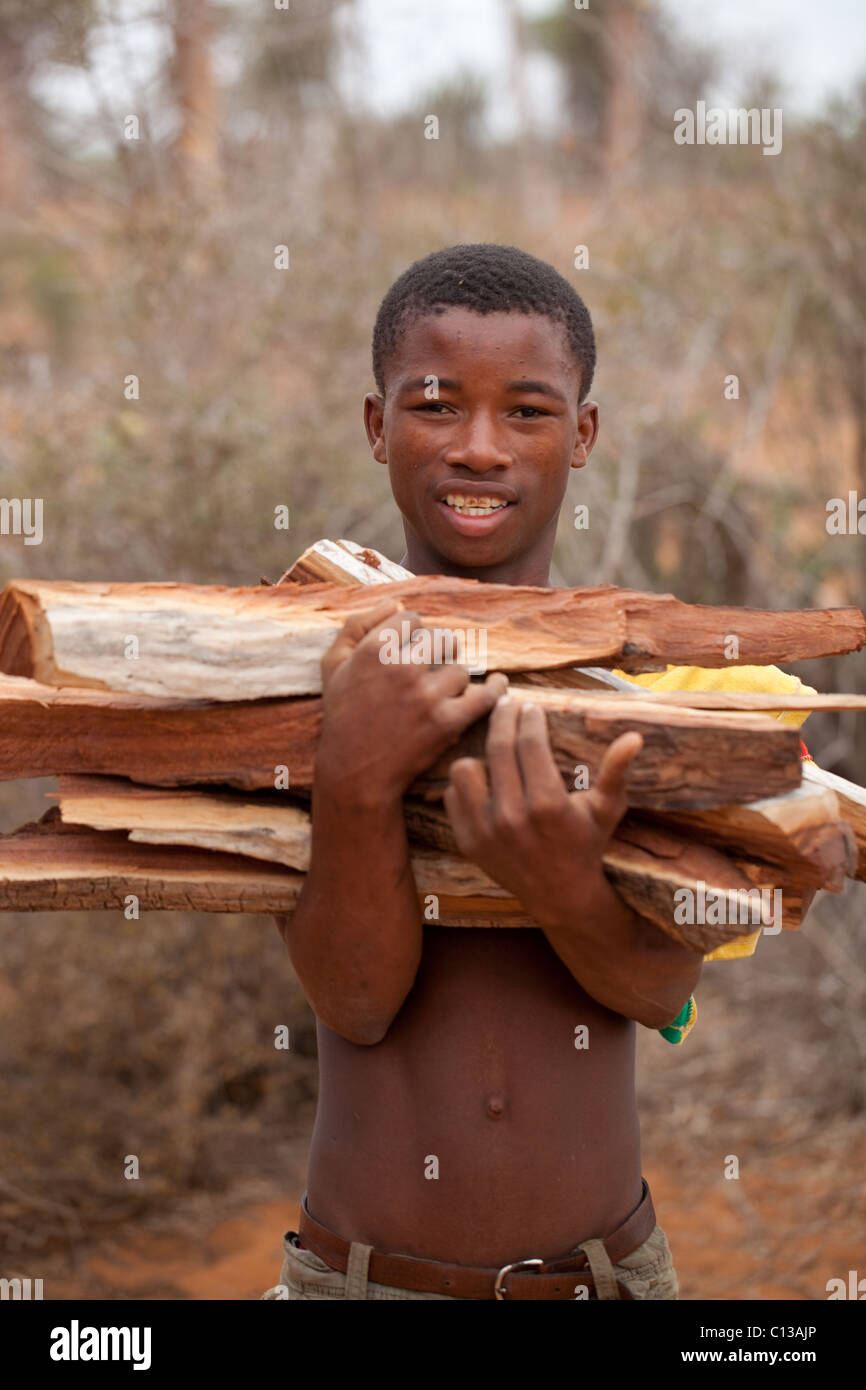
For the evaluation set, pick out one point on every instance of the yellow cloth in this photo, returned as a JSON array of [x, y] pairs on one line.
[[749, 678], [753, 679]]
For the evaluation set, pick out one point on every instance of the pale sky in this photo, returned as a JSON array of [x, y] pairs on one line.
[[401, 49], [817, 46]]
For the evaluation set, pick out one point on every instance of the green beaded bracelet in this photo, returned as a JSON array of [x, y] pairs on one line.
[[675, 1032]]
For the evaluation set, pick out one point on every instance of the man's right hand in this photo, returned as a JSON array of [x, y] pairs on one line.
[[386, 722]]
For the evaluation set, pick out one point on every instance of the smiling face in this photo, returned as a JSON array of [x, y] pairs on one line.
[[479, 458]]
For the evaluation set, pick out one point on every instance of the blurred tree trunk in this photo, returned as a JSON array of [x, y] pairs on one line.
[[16, 164], [196, 149], [624, 62], [527, 181], [856, 382]]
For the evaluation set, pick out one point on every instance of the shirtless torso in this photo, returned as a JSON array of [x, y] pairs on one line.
[[537, 1141]]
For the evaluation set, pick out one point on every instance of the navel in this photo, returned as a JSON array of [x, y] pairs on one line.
[[495, 1106]]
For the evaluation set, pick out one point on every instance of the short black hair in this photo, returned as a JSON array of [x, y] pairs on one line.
[[490, 279]]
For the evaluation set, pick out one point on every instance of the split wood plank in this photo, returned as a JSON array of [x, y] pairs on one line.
[[637, 837], [343, 562], [852, 805], [690, 758], [210, 642], [800, 833], [346, 562], [757, 701], [45, 731], [49, 866], [805, 833], [260, 828], [647, 866]]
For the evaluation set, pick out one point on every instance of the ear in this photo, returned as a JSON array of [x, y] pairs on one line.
[[374, 424], [587, 433]]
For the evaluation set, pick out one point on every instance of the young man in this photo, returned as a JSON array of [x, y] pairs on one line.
[[465, 1146]]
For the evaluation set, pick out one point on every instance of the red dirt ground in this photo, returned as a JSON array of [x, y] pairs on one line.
[[780, 1235]]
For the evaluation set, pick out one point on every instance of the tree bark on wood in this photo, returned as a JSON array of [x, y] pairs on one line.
[[206, 642], [701, 751], [647, 866], [852, 805], [343, 562], [690, 758]]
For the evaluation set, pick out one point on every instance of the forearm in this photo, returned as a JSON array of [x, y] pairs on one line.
[[355, 937], [621, 960]]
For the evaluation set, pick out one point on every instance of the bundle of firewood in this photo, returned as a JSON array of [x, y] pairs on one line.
[[182, 723]]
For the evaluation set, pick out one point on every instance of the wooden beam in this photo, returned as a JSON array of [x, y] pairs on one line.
[[757, 701], [691, 758], [852, 805], [648, 863], [647, 866], [189, 641], [805, 831], [343, 562], [803, 834], [46, 731], [49, 866]]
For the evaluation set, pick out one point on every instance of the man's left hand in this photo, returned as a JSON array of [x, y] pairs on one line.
[[513, 817]]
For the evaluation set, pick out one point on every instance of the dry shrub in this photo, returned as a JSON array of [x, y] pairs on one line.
[[777, 1054], [153, 1038]]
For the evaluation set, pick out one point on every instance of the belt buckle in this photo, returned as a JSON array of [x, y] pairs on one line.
[[499, 1289]]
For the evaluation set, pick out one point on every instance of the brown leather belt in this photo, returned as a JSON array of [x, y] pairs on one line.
[[545, 1279]]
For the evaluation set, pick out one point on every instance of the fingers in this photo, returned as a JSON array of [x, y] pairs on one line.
[[467, 802], [406, 639], [399, 642], [506, 785], [609, 799], [520, 764], [474, 702], [359, 624], [542, 780], [355, 628], [390, 640], [615, 763], [448, 679], [384, 631]]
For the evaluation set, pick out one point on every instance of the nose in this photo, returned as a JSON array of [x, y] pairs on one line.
[[476, 443]]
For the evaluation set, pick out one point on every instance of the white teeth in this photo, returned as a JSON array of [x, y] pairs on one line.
[[475, 506]]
